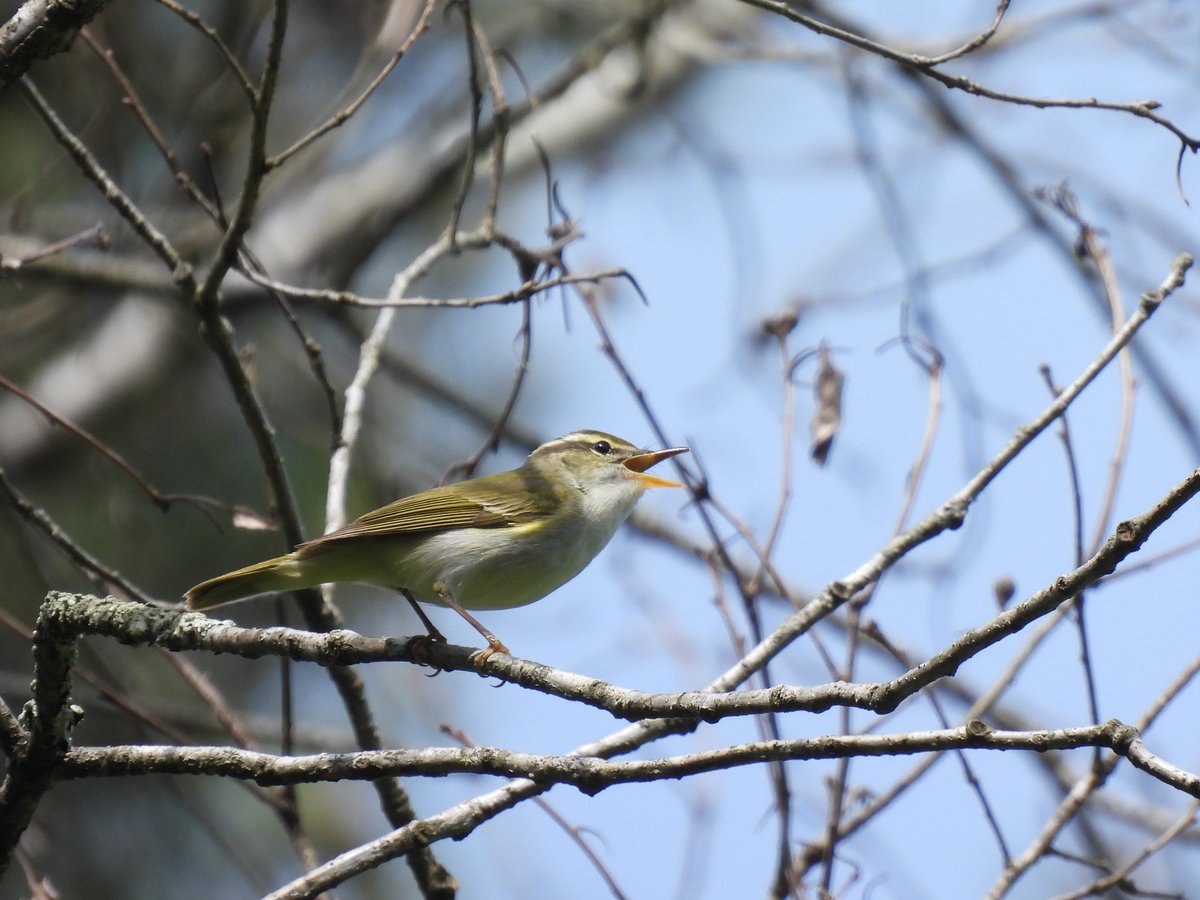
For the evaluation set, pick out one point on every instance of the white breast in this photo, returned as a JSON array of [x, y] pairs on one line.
[[498, 568]]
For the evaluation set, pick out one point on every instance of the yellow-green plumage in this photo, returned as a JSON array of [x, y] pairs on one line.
[[499, 541]]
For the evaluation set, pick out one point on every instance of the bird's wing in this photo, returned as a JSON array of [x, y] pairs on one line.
[[475, 504]]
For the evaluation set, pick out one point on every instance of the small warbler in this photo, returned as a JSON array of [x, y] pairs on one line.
[[495, 542]]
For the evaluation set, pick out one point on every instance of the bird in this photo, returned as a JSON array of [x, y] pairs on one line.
[[495, 542]]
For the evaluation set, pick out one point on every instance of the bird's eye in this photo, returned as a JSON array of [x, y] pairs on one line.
[[602, 447]]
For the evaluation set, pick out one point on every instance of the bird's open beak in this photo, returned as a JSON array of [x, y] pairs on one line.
[[640, 462]]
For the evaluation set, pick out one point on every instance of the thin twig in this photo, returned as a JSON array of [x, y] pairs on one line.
[[467, 467], [342, 116], [769, 725], [181, 270], [1085, 654], [161, 500], [976, 42], [500, 120], [525, 291], [927, 66], [131, 99], [368, 363], [574, 832], [1119, 877], [1091, 782], [211, 34], [103, 576], [474, 139], [96, 236]]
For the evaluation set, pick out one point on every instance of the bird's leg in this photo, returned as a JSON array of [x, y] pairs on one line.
[[434, 634], [494, 644]]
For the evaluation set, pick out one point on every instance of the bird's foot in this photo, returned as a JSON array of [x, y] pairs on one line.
[[479, 657]]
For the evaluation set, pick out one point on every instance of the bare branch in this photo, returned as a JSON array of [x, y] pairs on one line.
[[927, 66], [38, 30]]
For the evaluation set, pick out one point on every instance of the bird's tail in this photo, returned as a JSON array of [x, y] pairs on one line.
[[283, 573]]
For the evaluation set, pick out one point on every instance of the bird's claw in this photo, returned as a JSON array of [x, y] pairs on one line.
[[479, 657]]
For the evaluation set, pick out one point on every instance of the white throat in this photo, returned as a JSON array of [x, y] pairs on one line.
[[607, 504]]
